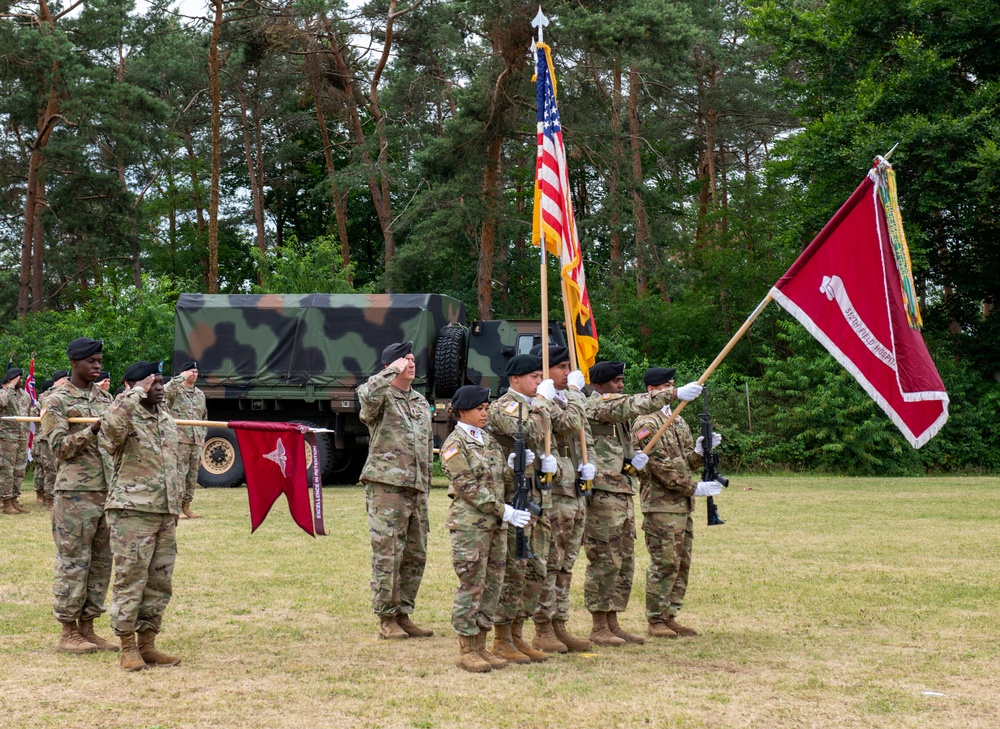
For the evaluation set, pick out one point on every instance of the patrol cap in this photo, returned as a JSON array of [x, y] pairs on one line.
[[557, 355], [658, 375], [141, 370], [83, 347], [192, 365], [58, 375], [105, 375], [523, 364], [468, 397], [606, 371], [395, 351], [11, 374]]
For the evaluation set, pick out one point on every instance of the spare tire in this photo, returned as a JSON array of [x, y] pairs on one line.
[[221, 462], [449, 360]]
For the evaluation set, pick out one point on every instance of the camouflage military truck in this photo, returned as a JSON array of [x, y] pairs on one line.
[[300, 357]]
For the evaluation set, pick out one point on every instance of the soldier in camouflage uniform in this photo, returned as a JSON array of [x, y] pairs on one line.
[[79, 529], [667, 498], [609, 537], [187, 402], [41, 454], [480, 484], [10, 443], [144, 501], [523, 579], [397, 479]]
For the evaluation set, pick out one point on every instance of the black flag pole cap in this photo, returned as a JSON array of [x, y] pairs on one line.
[[141, 370], [523, 364], [83, 347], [105, 375], [58, 375], [557, 355], [11, 374], [191, 365], [658, 375], [469, 397], [606, 371], [395, 351]]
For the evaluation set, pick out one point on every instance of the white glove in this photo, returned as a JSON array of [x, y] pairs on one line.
[[515, 517], [549, 464], [547, 389], [510, 461], [690, 391], [708, 488], [587, 471], [529, 457], [716, 440], [575, 379], [639, 460], [699, 447]]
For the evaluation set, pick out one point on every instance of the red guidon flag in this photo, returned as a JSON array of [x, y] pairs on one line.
[[852, 289], [274, 456]]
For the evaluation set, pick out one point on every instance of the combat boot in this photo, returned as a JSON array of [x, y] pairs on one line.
[[39, 497], [546, 640], [504, 648], [615, 628], [576, 645], [601, 634], [389, 629], [20, 507], [87, 631], [9, 509], [50, 501], [680, 629], [496, 662], [468, 658], [72, 642], [412, 629], [521, 645], [187, 513], [658, 629], [147, 649], [130, 659]]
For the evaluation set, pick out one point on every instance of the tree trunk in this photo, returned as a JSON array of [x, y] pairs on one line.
[[643, 239], [213, 204], [614, 172], [38, 251], [199, 210], [255, 192], [339, 199], [487, 245]]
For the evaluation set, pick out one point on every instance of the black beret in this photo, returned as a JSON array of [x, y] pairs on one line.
[[83, 347], [192, 365], [105, 375], [606, 371], [557, 355], [468, 397], [141, 370], [46, 385], [658, 375], [524, 364], [395, 351], [58, 375], [11, 374]]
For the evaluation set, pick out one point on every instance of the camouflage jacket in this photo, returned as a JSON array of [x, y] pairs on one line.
[[609, 416], [479, 482], [82, 464], [10, 405], [401, 449], [535, 422], [567, 420], [666, 482], [186, 403], [144, 447]]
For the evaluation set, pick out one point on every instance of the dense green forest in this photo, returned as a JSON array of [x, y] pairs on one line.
[[390, 146]]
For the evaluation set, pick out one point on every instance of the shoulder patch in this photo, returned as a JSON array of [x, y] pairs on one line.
[[449, 453], [644, 433], [511, 408], [606, 396]]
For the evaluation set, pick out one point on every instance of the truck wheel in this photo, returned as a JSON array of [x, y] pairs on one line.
[[449, 360], [323, 446], [221, 462], [347, 466]]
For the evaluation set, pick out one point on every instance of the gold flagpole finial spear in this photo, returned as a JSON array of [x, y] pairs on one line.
[[888, 154]]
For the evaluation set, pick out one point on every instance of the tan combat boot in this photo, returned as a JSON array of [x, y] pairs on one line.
[[20, 507], [87, 631], [517, 639], [146, 644], [50, 501], [576, 645], [658, 629], [496, 662], [412, 629], [39, 497], [9, 509], [468, 658], [389, 629], [504, 648], [130, 659], [72, 642], [546, 640], [601, 634], [615, 628], [186, 512], [680, 629]]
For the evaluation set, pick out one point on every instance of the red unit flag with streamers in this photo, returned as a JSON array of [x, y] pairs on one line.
[[29, 387], [274, 457], [852, 289]]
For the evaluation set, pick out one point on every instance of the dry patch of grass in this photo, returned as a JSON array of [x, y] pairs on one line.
[[822, 603]]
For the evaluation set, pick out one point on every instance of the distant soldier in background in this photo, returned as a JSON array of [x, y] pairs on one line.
[[11, 452], [21, 462], [187, 402], [41, 454], [397, 479], [104, 381]]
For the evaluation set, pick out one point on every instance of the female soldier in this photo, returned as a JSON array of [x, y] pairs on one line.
[[477, 477]]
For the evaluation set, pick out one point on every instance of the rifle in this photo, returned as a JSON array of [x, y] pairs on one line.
[[522, 492], [711, 462]]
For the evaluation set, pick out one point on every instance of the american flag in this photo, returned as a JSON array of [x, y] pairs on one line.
[[553, 219]]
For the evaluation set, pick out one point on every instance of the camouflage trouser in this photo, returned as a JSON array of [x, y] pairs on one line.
[[669, 538], [397, 524], [10, 486], [523, 579], [144, 547], [188, 460], [478, 558], [45, 468], [83, 555], [609, 539], [568, 516], [21, 463]]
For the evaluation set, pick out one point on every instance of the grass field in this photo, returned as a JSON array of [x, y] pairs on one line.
[[823, 602]]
